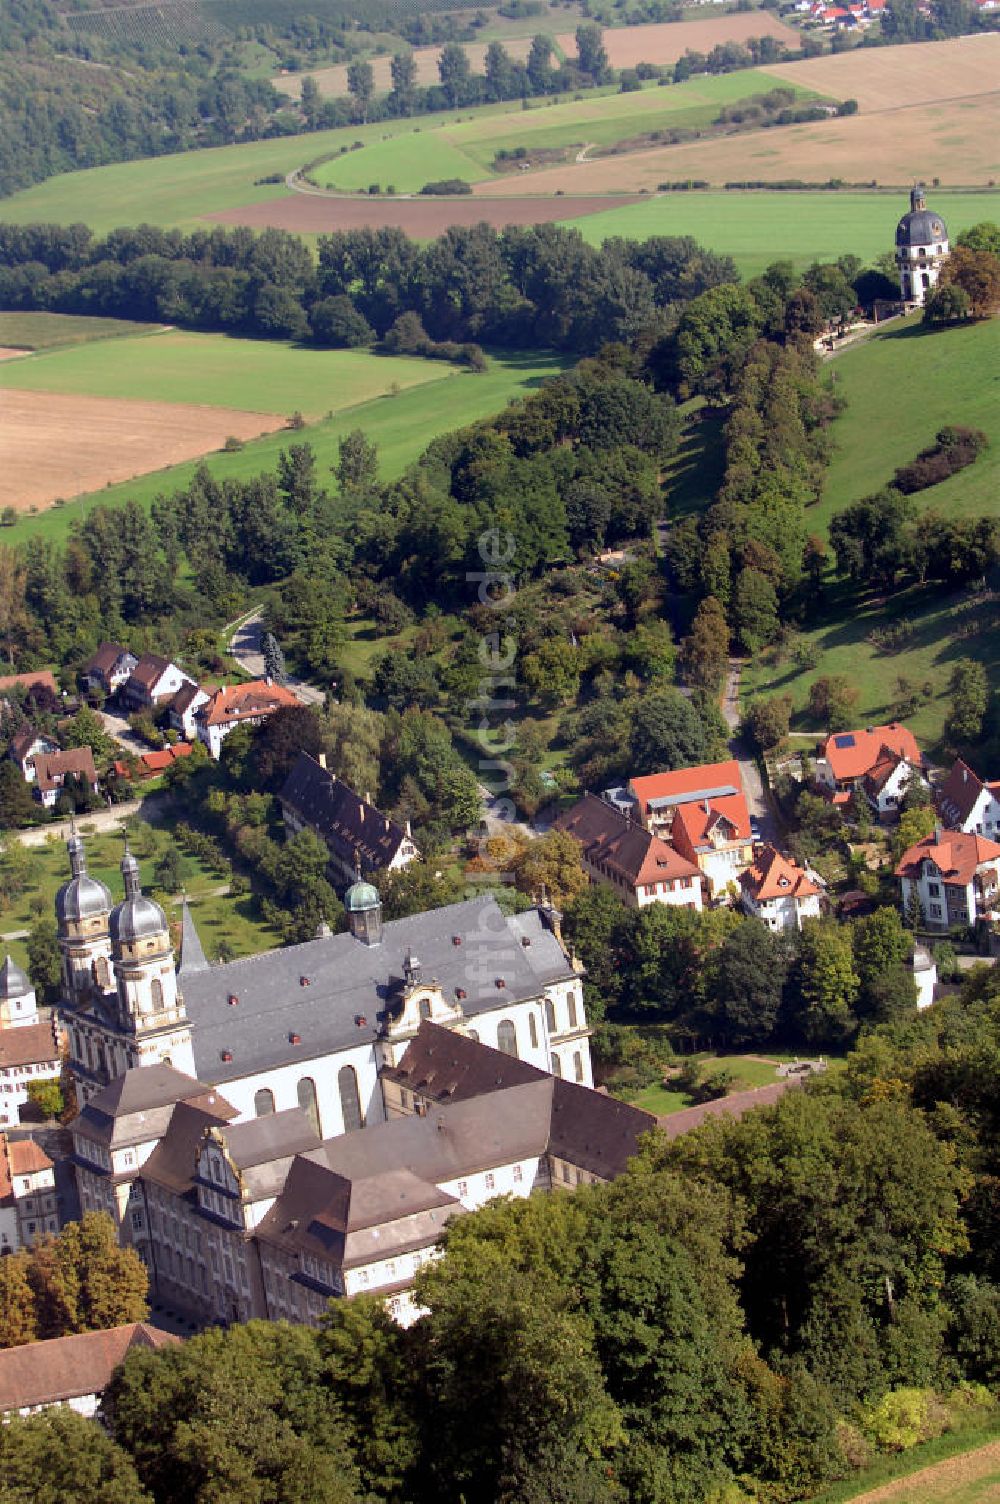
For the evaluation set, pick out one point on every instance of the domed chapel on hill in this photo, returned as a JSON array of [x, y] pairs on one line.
[[921, 248]]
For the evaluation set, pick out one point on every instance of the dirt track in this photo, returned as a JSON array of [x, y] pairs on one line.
[[945, 1481], [53, 445], [423, 218]]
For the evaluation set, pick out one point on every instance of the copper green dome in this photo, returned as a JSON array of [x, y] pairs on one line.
[[361, 896]]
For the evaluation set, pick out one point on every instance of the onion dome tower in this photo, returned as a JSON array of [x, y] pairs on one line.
[[364, 911], [83, 906], [150, 1006], [921, 248]]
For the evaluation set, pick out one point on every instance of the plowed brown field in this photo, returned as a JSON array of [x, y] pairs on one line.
[[423, 218], [52, 446]]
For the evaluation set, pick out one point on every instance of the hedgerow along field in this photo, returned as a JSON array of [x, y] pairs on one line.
[[901, 387], [401, 426]]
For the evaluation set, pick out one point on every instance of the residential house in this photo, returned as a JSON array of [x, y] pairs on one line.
[[621, 853], [182, 708], [30, 1053], [239, 705], [776, 890], [357, 835], [886, 784], [153, 680], [703, 814], [26, 746], [150, 764], [40, 679], [53, 768], [72, 1371], [28, 1208], [109, 668], [967, 802], [847, 757], [955, 878]]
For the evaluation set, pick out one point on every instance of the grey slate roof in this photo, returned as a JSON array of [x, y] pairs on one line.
[[137, 1106], [333, 993], [193, 957], [13, 982], [350, 827], [270, 1137], [173, 1162]]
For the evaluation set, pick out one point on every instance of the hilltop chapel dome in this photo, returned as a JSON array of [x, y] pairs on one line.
[[83, 897], [921, 248], [136, 917]]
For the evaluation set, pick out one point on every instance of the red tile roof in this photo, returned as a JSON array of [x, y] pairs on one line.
[[728, 816], [771, 875], [28, 1044], [241, 702], [687, 789], [65, 1368], [26, 1157], [957, 856], [878, 776], [28, 681], [852, 754], [52, 767]]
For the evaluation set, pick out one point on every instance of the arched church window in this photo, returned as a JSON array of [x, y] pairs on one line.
[[507, 1037], [578, 1065], [156, 992], [532, 1031], [306, 1093], [556, 1066], [424, 1007], [550, 1016], [350, 1101], [473, 1034], [263, 1102], [103, 972], [571, 1004]]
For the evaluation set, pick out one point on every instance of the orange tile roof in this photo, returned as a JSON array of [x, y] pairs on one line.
[[610, 839], [852, 754], [698, 823], [771, 875], [709, 775], [956, 855], [238, 702], [27, 1157], [29, 1044], [64, 1368], [29, 681]]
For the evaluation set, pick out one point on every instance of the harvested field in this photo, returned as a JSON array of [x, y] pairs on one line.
[[957, 141], [887, 78], [422, 218], [54, 446], [665, 42], [970, 1478], [332, 82]]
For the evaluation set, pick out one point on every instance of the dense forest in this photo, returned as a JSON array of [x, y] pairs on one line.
[[755, 1308]]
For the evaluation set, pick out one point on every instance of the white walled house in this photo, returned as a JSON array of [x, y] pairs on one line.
[[236, 705], [30, 1053], [619, 852], [109, 668], [955, 878], [775, 890], [887, 783], [183, 709], [702, 812], [969, 803], [28, 1207], [358, 836], [153, 680], [26, 747]]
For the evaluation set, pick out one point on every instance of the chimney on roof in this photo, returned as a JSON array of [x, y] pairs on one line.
[[368, 797], [708, 808], [321, 759]]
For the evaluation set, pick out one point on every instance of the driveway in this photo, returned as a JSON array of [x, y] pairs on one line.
[[757, 801], [244, 646], [116, 725]]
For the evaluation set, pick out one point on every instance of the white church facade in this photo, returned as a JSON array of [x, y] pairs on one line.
[[312, 1025]]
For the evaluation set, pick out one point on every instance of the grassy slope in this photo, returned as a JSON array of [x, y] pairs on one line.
[[935, 377], [402, 427], [51, 331], [272, 376], [757, 228], [912, 381], [882, 1473]]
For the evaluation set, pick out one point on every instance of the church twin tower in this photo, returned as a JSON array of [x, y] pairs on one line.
[[121, 1003]]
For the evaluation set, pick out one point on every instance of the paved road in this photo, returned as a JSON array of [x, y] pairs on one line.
[[244, 645], [757, 800]]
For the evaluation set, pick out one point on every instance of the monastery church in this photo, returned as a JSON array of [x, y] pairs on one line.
[[315, 1025]]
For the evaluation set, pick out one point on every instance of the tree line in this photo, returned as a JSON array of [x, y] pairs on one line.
[[755, 1309]]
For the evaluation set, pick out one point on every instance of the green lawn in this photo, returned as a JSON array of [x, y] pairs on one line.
[[747, 1074], [948, 1488], [52, 331], [271, 376], [402, 427], [757, 228], [406, 162], [218, 916], [934, 377]]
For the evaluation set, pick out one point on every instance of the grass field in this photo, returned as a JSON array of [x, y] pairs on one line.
[[53, 331], [402, 427], [747, 1073], [217, 915], [961, 1467], [757, 228], [272, 376], [935, 377]]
